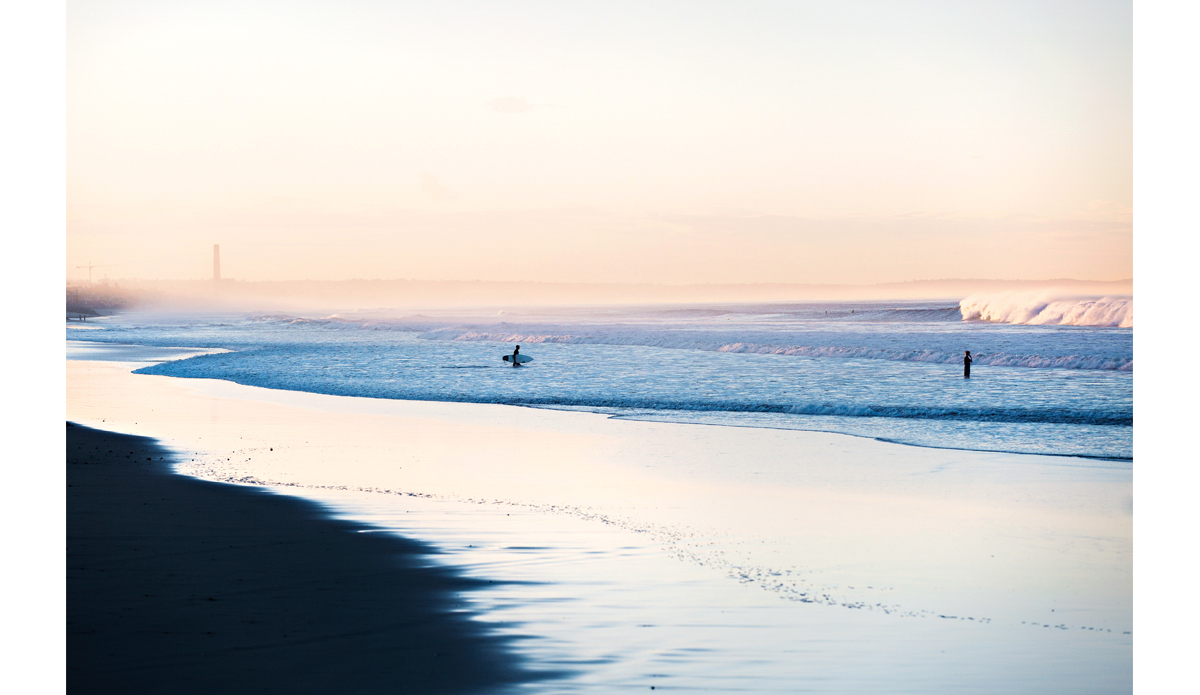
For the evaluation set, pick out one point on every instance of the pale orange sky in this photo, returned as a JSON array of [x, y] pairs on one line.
[[670, 142]]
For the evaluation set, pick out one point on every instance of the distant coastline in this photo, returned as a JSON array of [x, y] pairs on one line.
[[99, 299]]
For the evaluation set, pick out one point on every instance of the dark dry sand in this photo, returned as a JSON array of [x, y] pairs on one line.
[[178, 585]]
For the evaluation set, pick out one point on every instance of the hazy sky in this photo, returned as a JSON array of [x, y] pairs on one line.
[[672, 142]]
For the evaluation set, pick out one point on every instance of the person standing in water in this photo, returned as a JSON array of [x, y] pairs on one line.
[[514, 357], [967, 365]]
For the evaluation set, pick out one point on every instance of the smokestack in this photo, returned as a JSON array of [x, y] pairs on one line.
[[216, 262]]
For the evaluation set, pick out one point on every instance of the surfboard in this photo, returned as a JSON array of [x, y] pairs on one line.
[[521, 359]]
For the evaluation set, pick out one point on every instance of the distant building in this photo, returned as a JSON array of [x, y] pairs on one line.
[[216, 262]]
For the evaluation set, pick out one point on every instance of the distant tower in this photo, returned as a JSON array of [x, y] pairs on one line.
[[216, 262]]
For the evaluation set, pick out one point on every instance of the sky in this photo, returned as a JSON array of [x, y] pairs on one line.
[[669, 142]]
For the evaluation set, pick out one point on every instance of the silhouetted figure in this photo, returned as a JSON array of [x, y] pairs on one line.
[[515, 353], [967, 365]]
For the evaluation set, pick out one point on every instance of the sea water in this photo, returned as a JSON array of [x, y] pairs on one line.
[[891, 371]]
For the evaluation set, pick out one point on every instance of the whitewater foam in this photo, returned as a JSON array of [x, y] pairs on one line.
[[1048, 308]]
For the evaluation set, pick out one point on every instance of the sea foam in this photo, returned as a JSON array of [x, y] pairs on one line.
[[1048, 308]]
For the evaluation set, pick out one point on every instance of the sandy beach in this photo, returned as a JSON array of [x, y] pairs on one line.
[[188, 586]]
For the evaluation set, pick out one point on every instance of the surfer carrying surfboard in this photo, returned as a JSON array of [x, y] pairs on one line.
[[516, 357]]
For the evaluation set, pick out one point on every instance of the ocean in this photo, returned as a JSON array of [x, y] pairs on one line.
[[891, 371]]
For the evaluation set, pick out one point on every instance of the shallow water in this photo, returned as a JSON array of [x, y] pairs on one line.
[[613, 610]]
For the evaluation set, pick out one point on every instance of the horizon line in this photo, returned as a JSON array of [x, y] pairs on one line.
[[623, 284]]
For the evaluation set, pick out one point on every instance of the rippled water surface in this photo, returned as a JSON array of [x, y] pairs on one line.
[[891, 371]]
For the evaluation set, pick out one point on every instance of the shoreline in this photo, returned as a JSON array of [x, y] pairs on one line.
[[91, 350], [205, 586], [884, 440]]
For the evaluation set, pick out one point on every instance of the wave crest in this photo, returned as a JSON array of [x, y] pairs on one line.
[[1041, 308]]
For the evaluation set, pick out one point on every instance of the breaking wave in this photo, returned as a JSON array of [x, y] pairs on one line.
[[1040, 308]]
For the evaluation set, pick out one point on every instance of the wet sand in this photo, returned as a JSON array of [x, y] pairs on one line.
[[181, 585]]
